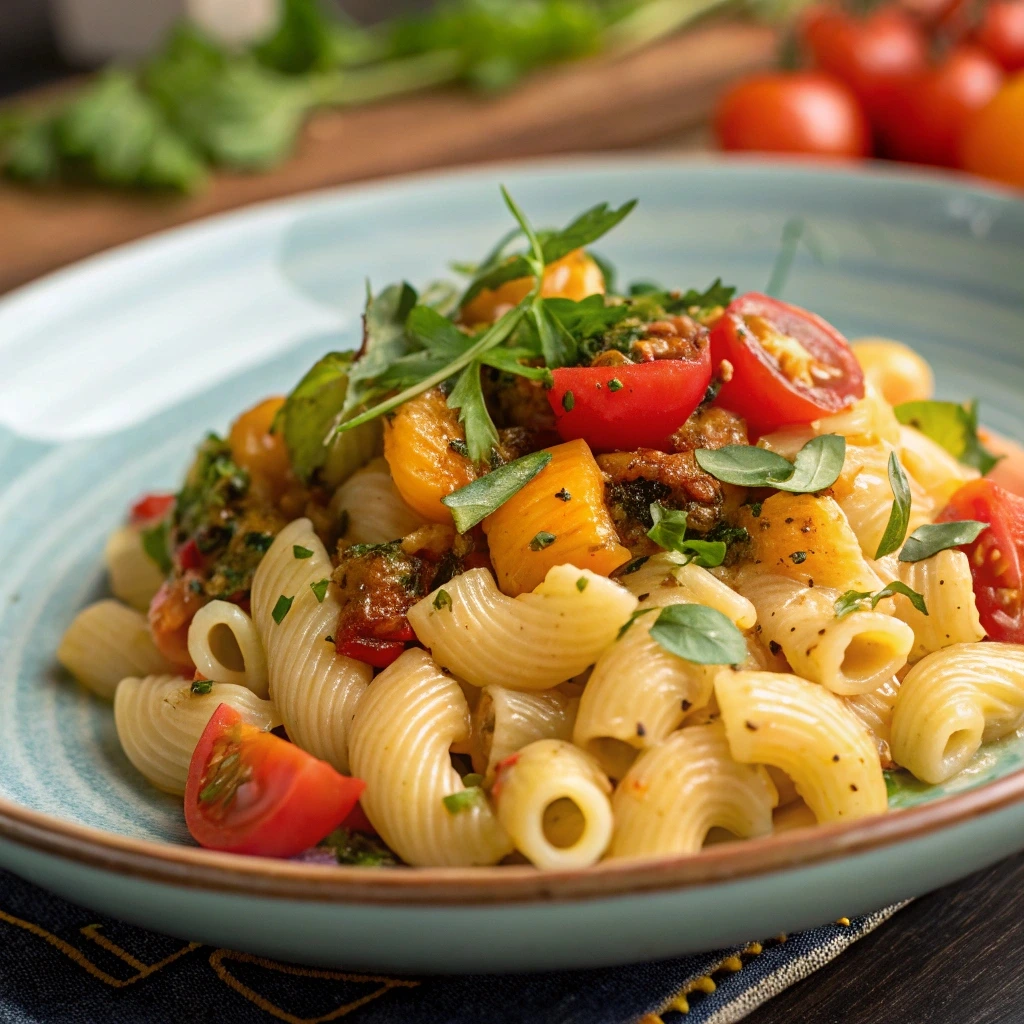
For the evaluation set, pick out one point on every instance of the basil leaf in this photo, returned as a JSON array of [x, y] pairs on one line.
[[897, 587], [669, 529], [744, 465], [953, 427], [850, 602], [929, 540], [817, 465], [468, 398], [699, 634], [707, 553], [586, 228], [474, 502], [899, 516], [155, 544]]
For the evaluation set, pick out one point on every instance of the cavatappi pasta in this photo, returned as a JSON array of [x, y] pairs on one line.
[[535, 578]]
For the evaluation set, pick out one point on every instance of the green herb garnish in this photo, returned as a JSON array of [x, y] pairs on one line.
[[300, 552], [258, 541], [202, 686], [953, 426], [563, 495], [699, 634], [281, 608], [568, 401], [669, 532], [929, 540], [542, 540], [816, 467], [155, 544], [581, 584], [899, 516], [853, 600], [615, 384], [473, 503], [464, 800], [319, 590], [351, 847], [443, 600]]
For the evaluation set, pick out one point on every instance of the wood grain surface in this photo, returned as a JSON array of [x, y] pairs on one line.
[[952, 957], [593, 105]]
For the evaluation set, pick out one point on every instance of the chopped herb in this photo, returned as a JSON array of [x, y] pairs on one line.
[[464, 800], [471, 504], [899, 516], [563, 495], [755, 508], [282, 607], [258, 541], [953, 426], [816, 467], [155, 545], [853, 600], [457, 445], [581, 584], [798, 557], [637, 563], [929, 540], [202, 686], [300, 552], [319, 590], [615, 384], [443, 600], [568, 401], [699, 634], [359, 849], [542, 540], [472, 779], [624, 628], [669, 532]]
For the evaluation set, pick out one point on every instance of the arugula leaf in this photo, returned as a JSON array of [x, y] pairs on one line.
[[816, 467], [468, 398], [671, 301], [586, 228], [588, 318], [899, 516], [852, 600], [155, 543], [557, 345], [471, 504], [929, 540], [699, 634], [310, 411], [953, 426]]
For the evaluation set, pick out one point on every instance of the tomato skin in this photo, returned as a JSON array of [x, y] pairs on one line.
[[150, 508], [1001, 32], [287, 802], [993, 145], [793, 112], [170, 614], [378, 653], [758, 390], [868, 54], [930, 111], [655, 400], [995, 557]]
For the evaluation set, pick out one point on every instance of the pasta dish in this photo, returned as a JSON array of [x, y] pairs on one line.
[[553, 571]]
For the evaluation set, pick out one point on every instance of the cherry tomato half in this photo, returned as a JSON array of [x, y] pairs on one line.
[[993, 145], [789, 365], [996, 555], [249, 791], [1001, 32], [793, 112], [636, 405], [868, 54], [150, 508], [930, 111]]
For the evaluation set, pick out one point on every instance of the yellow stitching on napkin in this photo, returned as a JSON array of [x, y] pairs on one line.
[[218, 956], [844, 921], [144, 970], [706, 983]]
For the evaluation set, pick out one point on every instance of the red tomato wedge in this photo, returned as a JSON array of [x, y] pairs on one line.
[[150, 508], [996, 555], [249, 791], [789, 366], [378, 651], [636, 405]]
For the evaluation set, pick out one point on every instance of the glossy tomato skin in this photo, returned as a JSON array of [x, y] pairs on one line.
[[284, 802], [759, 390], [995, 557], [793, 112], [867, 54], [1001, 32], [622, 408], [930, 111], [150, 508], [993, 144]]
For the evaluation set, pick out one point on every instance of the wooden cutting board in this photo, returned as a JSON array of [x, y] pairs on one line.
[[648, 98]]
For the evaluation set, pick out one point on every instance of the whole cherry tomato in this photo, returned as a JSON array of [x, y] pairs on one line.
[[789, 365], [993, 144], [868, 54], [793, 112], [1001, 32], [930, 110]]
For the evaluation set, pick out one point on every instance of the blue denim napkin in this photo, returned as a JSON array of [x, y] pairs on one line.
[[62, 964]]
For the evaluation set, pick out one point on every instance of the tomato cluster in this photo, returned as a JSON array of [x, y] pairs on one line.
[[927, 81]]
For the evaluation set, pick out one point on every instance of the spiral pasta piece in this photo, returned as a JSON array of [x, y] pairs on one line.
[[134, 576], [370, 509], [315, 689], [400, 740], [875, 709], [160, 721], [531, 642], [224, 645], [684, 786], [954, 700]]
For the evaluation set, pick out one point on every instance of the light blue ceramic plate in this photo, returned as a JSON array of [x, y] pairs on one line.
[[111, 371]]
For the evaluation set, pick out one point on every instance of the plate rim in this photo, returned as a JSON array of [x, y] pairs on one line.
[[195, 868]]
